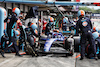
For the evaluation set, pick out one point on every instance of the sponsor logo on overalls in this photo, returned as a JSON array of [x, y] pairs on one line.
[[84, 23]]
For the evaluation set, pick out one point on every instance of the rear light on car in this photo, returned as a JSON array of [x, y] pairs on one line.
[[54, 34]]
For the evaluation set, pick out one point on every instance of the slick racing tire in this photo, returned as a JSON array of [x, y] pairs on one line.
[[29, 50], [66, 45], [69, 43], [76, 43]]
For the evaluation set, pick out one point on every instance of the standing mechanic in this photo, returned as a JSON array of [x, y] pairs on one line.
[[10, 25], [49, 26], [85, 26], [64, 24]]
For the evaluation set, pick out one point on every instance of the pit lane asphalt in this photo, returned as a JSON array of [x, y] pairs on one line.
[[46, 61]]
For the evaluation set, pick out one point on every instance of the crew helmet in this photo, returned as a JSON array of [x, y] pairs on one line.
[[51, 19], [32, 25], [95, 28], [95, 35], [65, 20], [81, 12], [16, 10]]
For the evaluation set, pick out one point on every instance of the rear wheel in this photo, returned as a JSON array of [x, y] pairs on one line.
[[66, 45], [76, 43]]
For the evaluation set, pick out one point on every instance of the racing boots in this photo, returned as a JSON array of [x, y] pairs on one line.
[[96, 58], [2, 54], [17, 54], [81, 58]]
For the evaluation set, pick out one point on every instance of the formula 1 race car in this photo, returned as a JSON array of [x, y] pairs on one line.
[[56, 43]]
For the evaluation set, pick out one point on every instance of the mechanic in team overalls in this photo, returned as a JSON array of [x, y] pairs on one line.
[[64, 25], [85, 26], [10, 25], [49, 26], [32, 33]]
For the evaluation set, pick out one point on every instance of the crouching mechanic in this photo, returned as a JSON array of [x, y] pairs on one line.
[[33, 29], [85, 26], [10, 25], [32, 32]]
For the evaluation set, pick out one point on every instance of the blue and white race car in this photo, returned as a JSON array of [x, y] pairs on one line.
[[56, 43]]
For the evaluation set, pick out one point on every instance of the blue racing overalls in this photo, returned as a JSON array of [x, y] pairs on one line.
[[12, 40], [85, 26]]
